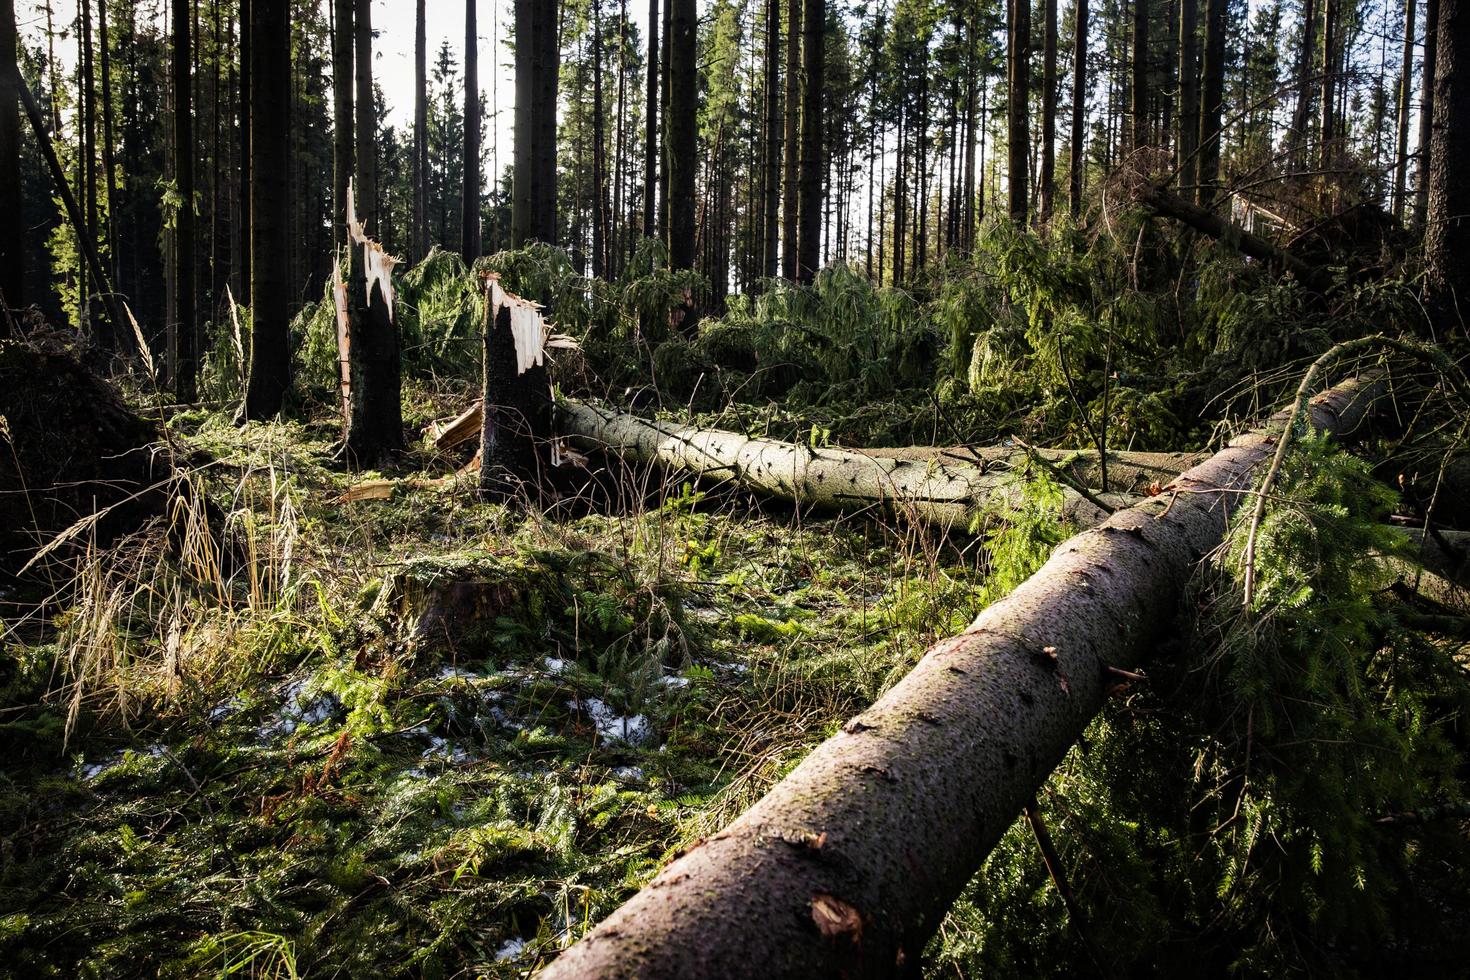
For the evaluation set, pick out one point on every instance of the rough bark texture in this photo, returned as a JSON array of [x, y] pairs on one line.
[[420, 246], [12, 242], [847, 866], [183, 346], [1188, 97], [515, 434], [1426, 111], [1447, 232], [375, 408], [1080, 82], [773, 145], [367, 119], [270, 208], [469, 247], [809, 236], [1405, 108], [937, 492], [682, 152], [342, 122], [792, 136], [1212, 99], [1048, 106], [533, 199], [1139, 66], [1018, 109]]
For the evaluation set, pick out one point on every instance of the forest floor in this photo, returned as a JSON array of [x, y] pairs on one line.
[[276, 775]]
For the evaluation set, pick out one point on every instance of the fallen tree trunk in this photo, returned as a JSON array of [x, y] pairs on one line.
[[846, 867], [1128, 472], [935, 491], [1163, 203]]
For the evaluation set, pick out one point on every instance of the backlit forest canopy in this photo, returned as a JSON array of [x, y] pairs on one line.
[[762, 488]]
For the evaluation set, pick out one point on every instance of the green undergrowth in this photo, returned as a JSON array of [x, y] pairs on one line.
[[291, 769]]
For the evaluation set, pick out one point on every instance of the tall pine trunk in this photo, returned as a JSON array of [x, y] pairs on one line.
[[650, 129], [1048, 106], [792, 140], [599, 151], [1302, 115], [367, 121], [1447, 232], [1018, 109], [270, 207], [1406, 85], [1330, 25], [470, 197], [1140, 74], [183, 347], [1188, 97], [809, 234], [538, 56], [12, 243], [1212, 100], [342, 123], [682, 150], [420, 246], [1426, 110], [774, 147], [1079, 108]]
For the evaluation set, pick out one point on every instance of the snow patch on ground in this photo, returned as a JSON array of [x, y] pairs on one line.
[[296, 712], [511, 949], [632, 729], [628, 773]]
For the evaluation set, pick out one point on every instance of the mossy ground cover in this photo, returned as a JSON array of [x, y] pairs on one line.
[[320, 792]]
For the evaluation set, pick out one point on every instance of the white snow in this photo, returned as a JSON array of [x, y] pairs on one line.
[[511, 949], [632, 729]]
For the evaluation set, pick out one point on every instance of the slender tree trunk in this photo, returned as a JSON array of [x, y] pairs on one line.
[[1330, 25], [683, 147], [774, 146], [12, 214], [1447, 232], [270, 208], [343, 148], [1426, 111], [243, 246], [515, 421], [1019, 108], [1212, 100], [1049, 107], [1189, 97], [971, 124], [789, 221], [664, 148], [809, 234], [599, 152], [183, 347], [1302, 116], [109, 163], [375, 403], [1406, 87], [367, 121], [87, 160], [470, 246], [650, 130], [538, 58], [420, 246], [1079, 108], [1140, 74]]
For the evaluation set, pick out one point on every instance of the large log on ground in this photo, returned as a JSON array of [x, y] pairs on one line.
[[937, 491], [1127, 471], [846, 867]]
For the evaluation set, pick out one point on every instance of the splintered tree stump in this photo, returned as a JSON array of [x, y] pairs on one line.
[[515, 431], [70, 447]]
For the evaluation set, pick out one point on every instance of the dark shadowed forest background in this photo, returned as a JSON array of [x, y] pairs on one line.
[[734, 488]]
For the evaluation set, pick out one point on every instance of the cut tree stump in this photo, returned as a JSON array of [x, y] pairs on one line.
[[846, 867]]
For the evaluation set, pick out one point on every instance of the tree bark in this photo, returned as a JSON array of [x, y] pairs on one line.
[[515, 433], [12, 215], [1140, 74], [183, 352], [1048, 107], [650, 131], [375, 412], [343, 147], [683, 148], [809, 234], [470, 247], [789, 228], [1302, 115], [1426, 112], [1330, 25], [367, 120], [1188, 98], [420, 246], [1212, 101], [1447, 231], [942, 492], [270, 209], [1079, 107], [1019, 108], [1406, 88], [846, 867], [538, 55], [774, 146]]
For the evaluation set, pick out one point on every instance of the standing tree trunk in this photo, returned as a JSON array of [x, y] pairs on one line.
[[600, 212], [1330, 25], [109, 189], [1188, 98], [270, 208], [538, 54], [1447, 232], [774, 146], [1302, 115], [13, 242], [1140, 74], [420, 246], [1018, 109], [1426, 111], [243, 247], [1212, 101], [470, 198], [367, 121], [375, 412], [183, 345], [650, 129], [1406, 86], [516, 418], [342, 144], [809, 234], [682, 149], [1079, 108], [1048, 107], [789, 197]]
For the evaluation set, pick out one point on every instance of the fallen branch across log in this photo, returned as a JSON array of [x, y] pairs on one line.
[[846, 867]]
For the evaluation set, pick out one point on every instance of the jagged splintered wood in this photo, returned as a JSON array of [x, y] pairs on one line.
[[368, 342], [516, 447], [846, 867]]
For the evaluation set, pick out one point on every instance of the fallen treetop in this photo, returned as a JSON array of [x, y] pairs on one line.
[[846, 867], [934, 490]]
